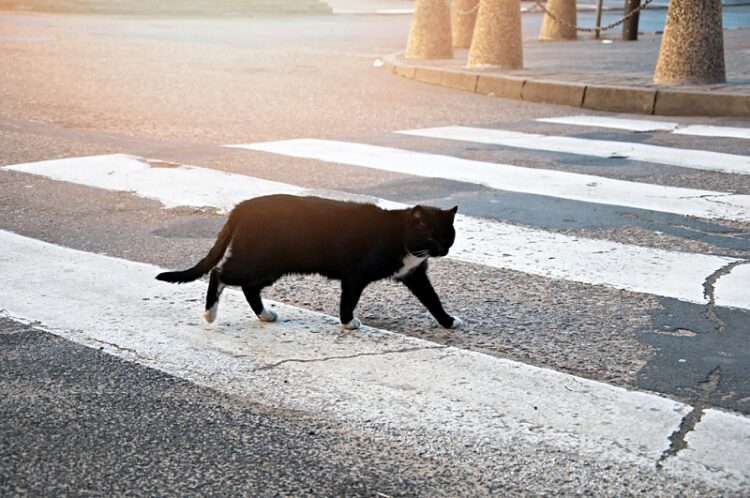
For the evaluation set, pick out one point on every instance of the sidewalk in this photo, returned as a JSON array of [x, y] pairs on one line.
[[385, 7], [609, 75]]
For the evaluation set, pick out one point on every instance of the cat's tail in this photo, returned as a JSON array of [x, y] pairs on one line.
[[206, 264]]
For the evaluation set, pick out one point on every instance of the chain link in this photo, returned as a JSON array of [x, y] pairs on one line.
[[591, 30], [540, 7], [455, 10]]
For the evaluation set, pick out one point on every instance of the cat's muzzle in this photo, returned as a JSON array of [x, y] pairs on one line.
[[440, 252]]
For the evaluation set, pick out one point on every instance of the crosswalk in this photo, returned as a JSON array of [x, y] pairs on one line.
[[680, 275], [675, 274], [129, 314], [580, 187], [629, 267]]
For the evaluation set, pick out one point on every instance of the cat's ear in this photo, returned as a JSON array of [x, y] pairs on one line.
[[417, 212], [452, 211]]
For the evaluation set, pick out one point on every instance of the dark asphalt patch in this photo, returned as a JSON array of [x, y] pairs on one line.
[[195, 227], [428, 190], [692, 350], [614, 136]]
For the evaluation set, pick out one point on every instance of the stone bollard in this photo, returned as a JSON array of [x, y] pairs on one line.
[[553, 30], [430, 34], [497, 35], [463, 18], [692, 48]]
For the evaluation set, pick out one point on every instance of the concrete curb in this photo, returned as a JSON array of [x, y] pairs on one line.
[[668, 101]]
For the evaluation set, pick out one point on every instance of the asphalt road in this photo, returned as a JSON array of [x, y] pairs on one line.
[[76, 420], [79, 421]]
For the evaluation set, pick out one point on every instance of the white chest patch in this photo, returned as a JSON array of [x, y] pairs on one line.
[[409, 262]]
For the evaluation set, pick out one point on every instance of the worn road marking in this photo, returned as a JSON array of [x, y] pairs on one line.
[[592, 261], [714, 131], [371, 378], [733, 290], [718, 433], [686, 158], [639, 125], [173, 186]]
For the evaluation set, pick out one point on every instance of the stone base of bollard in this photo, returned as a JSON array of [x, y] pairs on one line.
[[552, 29], [497, 35], [463, 19], [430, 34], [692, 48]]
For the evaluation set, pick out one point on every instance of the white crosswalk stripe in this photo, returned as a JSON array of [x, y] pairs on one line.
[[733, 289], [686, 158], [641, 125], [714, 131], [592, 261], [177, 185], [561, 184], [115, 304]]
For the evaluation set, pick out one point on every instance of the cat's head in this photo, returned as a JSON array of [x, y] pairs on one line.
[[429, 231]]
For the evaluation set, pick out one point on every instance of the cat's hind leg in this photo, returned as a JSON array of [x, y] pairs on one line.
[[215, 286], [252, 294]]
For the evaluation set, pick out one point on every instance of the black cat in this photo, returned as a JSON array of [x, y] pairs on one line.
[[268, 237]]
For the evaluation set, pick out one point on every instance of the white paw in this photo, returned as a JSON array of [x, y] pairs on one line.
[[353, 325], [268, 315], [210, 315], [457, 323]]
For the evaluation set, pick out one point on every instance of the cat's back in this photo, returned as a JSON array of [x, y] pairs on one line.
[[314, 218], [291, 234], [310, 209]]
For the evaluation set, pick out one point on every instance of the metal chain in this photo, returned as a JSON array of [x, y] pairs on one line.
[[592, 30], [455, 10], [558, 19]]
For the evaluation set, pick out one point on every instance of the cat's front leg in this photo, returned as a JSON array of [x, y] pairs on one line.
[[350, 293], [419, 284]]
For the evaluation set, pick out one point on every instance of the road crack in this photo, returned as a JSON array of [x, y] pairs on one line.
[[709, 289], [130, 351], [349, 356], [709, 197], [678, 439]]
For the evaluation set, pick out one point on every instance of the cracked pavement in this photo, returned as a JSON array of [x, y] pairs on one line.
[[710, 290], [347, 357]]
